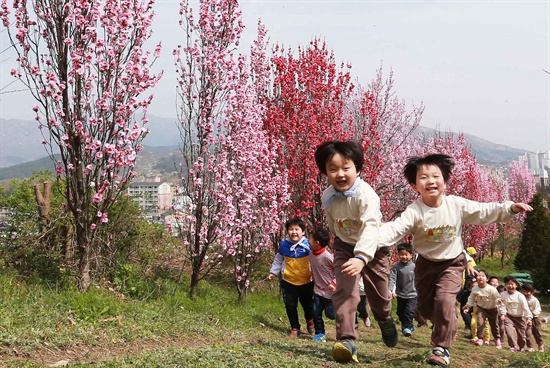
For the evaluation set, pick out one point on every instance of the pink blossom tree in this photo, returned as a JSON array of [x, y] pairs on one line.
[[386, 130], [229, 171], [520, 187], [85, 64]]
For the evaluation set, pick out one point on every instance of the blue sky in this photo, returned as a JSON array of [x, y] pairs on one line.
[[476, 65]]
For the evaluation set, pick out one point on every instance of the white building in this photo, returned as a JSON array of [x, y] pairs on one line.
[[538, 164], [151, 196]]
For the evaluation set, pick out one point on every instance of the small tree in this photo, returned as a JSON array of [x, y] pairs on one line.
[[533, 249], [229, 170], [85, 65]]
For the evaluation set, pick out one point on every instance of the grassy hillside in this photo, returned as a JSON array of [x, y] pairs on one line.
[[41, 326]]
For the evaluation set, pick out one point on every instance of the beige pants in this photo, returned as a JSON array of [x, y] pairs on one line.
[[346, 297]]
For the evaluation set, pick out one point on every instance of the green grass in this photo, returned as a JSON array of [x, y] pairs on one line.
[[40, 325]]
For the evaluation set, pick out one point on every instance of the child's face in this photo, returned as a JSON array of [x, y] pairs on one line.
[[341, 172], [481, 279], [295, 233], [511, 286], [404, 256], [527, 294], [430, 184], [314, 245], [494, 282]]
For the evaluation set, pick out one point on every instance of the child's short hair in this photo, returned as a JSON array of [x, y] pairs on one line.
[[444, 162], [492, 277], [349, 149], [322, 236], [485, 273], [501, 288], [295, 221], [405, 246], [511, 278], [528, 287]]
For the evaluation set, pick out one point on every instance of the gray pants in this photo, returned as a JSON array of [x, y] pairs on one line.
[[346, 297]]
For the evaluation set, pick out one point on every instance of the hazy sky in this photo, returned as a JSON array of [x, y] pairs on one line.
[[476, 65]]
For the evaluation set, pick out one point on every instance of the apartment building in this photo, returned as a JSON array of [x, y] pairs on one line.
[[151, 195]]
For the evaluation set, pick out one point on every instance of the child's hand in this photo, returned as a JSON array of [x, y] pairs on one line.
[[502, 318], [331, 287], [520, 207], [465, 310], [470, 270], [394, 295], [271, 276], [529, 323], [353, 267]]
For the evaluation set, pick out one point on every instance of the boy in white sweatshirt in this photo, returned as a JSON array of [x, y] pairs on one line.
[[435, 220], [536, 329], [515, 314], [487, 299]]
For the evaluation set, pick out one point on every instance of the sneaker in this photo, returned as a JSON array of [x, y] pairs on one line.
[[530, 350], [407, 332], [366, 321], [479, 342], [541, 348], [440, 357], [389, 332], [473, 341], [514, 349], [295, 332], [310, 326], [320, 337], [486, 343], [344, 351], [498, 344]]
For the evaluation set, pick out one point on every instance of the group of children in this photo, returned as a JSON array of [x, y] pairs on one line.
[[509, 312], [361, 250]]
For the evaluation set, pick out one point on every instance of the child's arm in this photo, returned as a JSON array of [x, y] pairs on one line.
[[393, 231], [276, 266], [537, 309], [481, 213], [368, 234], [391, 282], [502, 310], [526, 310], [470, 303]]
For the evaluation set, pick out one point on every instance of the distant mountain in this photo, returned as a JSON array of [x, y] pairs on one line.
[[21, 140], [486, 152], [21, 151]]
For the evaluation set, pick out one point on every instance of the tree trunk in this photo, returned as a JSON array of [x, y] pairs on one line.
[[84, 258], [194, 282], [84, 269], [43, 200]]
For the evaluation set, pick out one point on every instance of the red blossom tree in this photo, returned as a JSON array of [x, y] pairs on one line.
[[229, 170], [84, 63], [306, 107]]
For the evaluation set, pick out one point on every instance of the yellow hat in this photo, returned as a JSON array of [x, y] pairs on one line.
[[471, 251]]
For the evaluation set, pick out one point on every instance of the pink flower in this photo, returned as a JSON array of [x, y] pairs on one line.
[[98, 197]]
